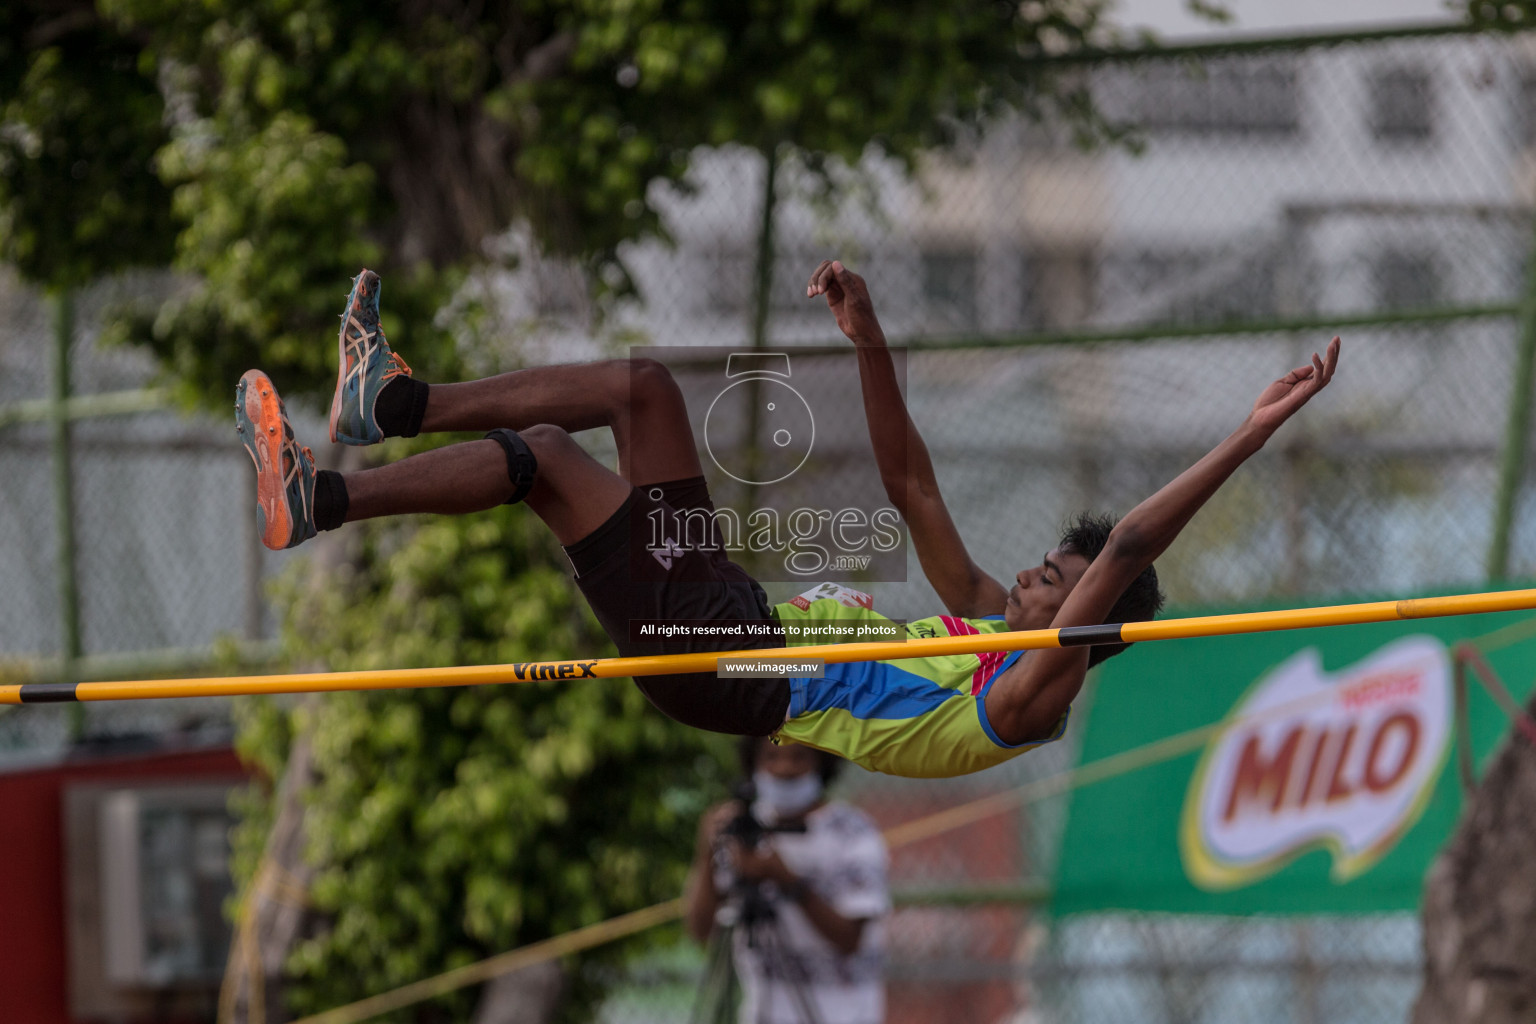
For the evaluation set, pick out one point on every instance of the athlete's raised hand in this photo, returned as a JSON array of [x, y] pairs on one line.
[[1282, 398], [848, 299]]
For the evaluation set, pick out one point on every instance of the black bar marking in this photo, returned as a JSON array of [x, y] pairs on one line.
[[47, 693], [1084, 636]]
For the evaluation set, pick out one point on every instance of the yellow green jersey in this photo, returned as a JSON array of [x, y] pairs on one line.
[[919, 717]]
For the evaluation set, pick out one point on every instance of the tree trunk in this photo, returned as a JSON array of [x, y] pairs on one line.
[[274, 910], [1480, 903], [527, 996]]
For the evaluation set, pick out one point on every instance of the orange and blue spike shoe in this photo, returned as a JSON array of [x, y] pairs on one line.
[[366, 363], [285, 470]]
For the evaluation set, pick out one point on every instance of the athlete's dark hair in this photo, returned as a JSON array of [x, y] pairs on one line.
[[827, 765], [1086, 534]]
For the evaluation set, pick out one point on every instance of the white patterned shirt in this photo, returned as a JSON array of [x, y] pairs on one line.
[[842, 857]]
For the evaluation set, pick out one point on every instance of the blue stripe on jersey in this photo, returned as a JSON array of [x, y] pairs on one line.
[[986, 726], [868, 689]]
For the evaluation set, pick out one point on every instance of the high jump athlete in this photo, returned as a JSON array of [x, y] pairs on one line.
[[937, 716]]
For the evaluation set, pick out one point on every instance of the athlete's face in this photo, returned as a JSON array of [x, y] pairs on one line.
[[1037, 593]]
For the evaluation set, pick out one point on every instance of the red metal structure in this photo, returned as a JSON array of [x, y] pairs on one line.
[[41, 881]]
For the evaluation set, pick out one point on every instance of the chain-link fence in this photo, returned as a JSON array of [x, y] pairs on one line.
[[1083, 324], [166, 560]]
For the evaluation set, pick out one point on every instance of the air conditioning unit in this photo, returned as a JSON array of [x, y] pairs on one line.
[[164, 876]]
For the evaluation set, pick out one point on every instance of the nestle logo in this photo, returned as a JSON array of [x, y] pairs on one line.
[[1382, 687]]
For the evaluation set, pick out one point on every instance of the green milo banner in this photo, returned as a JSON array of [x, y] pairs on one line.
[[1328, 787]]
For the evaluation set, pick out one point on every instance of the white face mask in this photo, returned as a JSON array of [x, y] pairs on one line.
[[779, 799]]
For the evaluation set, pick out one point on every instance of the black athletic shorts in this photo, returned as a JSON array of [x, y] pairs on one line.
[[628, 570]]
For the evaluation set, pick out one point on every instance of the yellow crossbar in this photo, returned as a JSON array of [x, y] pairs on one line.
[[668, 664]]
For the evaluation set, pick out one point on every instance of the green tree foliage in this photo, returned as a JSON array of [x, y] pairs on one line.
[[80, 124], [453, 824], [825, 78], [309, 137], [268, 149], [1500, 15]]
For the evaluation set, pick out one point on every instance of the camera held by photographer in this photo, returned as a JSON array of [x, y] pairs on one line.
[[799, 882]]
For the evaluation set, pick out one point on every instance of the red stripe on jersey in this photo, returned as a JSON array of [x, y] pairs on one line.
[[958, 627], [989, 662]]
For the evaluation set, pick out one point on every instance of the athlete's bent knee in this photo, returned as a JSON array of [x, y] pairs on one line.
[[522, 462], [651, 382]]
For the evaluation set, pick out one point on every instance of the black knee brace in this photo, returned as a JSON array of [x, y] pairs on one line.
[[522, 467]]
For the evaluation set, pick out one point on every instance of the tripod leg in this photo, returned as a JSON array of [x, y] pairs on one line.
[[716, 1002], [770, 945]]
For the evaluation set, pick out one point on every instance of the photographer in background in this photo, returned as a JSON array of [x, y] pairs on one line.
[[797, 884]]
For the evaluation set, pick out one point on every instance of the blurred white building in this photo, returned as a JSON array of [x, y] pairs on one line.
[[1345, 179]]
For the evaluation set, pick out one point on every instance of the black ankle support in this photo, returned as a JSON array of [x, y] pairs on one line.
[[330, 500], [522, 467], [400, 407]]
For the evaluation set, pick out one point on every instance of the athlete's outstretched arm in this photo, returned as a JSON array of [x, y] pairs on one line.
[[1027, 702], [906, 469]]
